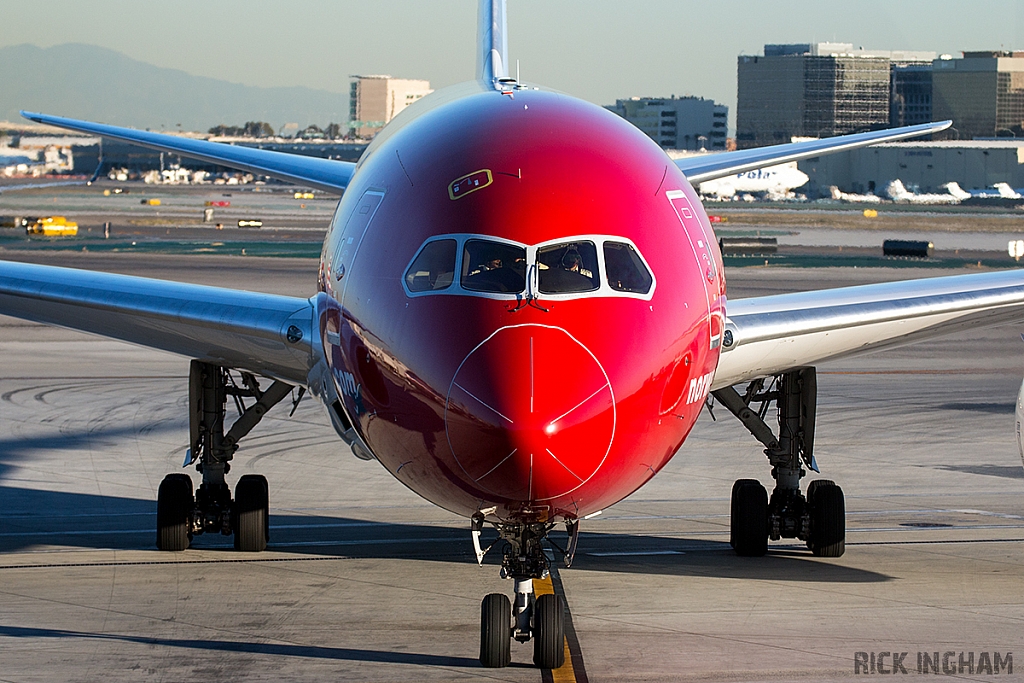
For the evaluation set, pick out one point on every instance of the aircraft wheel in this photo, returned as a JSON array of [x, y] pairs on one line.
[[251, 513], [828, 519], [174, 505], [549, 632], [748, 527], [495, 631]]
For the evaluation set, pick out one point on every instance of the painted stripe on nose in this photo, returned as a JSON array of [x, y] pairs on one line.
[[530, 414]]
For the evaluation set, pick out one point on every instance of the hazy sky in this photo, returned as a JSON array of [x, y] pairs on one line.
[[599, 50]]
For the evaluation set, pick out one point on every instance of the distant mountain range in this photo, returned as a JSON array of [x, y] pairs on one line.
[[94, 83]]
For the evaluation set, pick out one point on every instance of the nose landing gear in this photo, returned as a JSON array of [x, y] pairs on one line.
[[496, 631], [540, 618]]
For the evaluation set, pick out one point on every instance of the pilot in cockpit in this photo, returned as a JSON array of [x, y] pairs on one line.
[[498, 268], [573, 262], [567, 274]]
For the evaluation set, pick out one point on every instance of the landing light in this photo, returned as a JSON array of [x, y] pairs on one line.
[[550, 429]]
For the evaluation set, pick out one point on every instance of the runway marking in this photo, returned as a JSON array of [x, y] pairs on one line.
[[633, 553], [15, 515], [915, 372], [565, 673], [147, 530], [337, 558], [573, 670], [129, 532], [988, 514], [146, 563], [939, 542]]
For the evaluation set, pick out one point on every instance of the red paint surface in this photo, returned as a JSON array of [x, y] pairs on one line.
[[445, 389]]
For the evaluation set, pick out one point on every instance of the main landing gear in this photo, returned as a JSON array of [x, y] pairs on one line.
[[530, 617], [180, 513], [819, 519]]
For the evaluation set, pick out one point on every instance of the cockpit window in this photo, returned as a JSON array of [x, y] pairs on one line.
[[493, 267], [434, 268], [568, 267], [582, 266], [626, 272]]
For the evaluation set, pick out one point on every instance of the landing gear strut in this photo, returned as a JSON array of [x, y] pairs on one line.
[[820, 518], [182, 514], [530, 617]]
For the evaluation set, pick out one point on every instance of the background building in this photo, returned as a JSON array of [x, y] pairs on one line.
[[983, 93], [910, 93], [814, 90], [922, 166], [689, 123], [375, 100]]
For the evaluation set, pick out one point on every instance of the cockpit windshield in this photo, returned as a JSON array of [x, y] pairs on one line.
[[582, 266], [626, 271], [568, 267], [493, 267], [433, 269]]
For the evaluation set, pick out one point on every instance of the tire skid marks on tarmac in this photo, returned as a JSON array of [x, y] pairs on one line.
[[330, 444], [145, 405], [93, 413]]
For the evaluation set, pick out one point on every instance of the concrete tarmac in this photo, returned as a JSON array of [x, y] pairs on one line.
[[365, 581]]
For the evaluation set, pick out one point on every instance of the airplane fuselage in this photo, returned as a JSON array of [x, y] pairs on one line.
[[524, 303]]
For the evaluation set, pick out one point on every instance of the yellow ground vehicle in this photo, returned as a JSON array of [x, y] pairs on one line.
[[53, 226]]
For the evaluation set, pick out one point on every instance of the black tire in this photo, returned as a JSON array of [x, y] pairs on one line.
[[251, 514], [828, 519], [495, 631], [813, 487], [174, 504], [733, 513], [748, 524], [811, 492], [549, 632]]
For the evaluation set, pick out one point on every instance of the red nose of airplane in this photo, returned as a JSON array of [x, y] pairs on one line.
[[530, 414]]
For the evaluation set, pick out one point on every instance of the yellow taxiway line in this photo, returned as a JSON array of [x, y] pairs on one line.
[[564, 673]]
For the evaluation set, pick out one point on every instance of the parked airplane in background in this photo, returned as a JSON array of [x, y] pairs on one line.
[[521, 312], [775, 182], [852, 197], [998, 191], [897, 192]]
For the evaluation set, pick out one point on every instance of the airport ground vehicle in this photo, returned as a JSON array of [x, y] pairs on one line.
[[52, 226]]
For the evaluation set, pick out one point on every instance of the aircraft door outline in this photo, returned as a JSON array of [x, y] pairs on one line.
[[352, 237]]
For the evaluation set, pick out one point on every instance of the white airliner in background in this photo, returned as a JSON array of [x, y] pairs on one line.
[[774, 182], [898, 192]]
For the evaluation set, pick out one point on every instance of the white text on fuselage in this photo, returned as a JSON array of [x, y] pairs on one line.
[[348, 384], [699, 387]]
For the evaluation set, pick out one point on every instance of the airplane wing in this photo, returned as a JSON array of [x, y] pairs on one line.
[[320, 174], [769, 335], [267, 334], [700, 168]]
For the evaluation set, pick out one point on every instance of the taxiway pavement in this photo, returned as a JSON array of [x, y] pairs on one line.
[[365, 581]]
